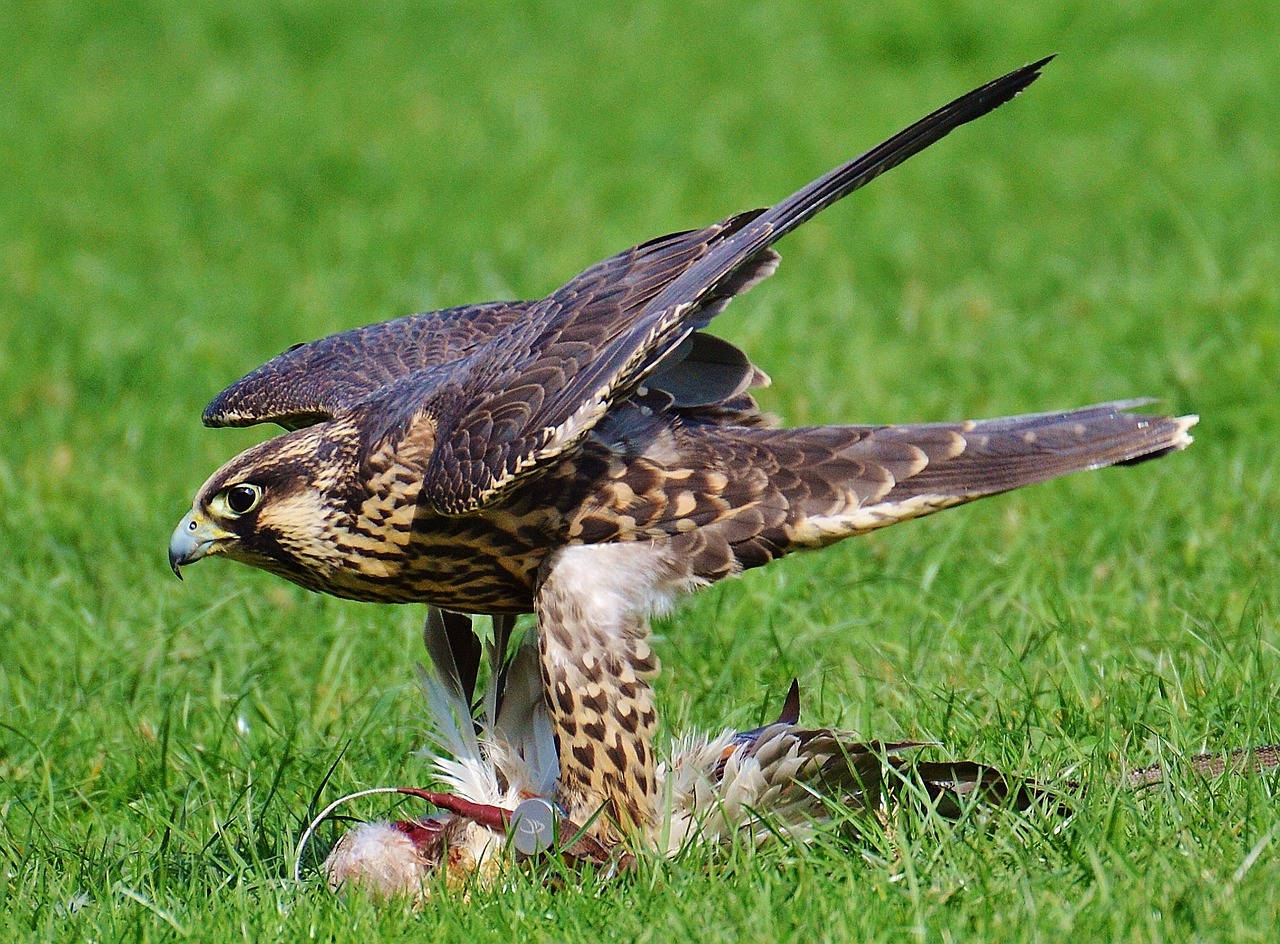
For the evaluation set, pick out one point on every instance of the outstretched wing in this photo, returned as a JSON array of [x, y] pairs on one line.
[[592, 342], [469, 358], [310, 383], [531, 392]]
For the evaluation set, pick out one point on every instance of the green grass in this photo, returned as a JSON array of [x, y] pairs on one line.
[[185, 193]]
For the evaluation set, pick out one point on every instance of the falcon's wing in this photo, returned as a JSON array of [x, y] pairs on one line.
[[548, 380], [535, 388], [309, 383]]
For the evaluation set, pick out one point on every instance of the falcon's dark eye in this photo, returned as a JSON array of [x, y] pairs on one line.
[[242, 499]]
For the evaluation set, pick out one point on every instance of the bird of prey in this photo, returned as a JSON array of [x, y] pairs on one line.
[[590, 456]]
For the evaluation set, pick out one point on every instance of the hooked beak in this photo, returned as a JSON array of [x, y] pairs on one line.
[[194, 537]]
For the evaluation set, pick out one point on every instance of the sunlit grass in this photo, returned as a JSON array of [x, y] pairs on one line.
[[186, 192]]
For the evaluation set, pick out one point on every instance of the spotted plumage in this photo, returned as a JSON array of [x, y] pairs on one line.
[[594, 454]]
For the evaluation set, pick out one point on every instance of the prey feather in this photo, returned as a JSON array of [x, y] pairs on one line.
[[454, 752], [776, 781], [522, 724], [509, 752]]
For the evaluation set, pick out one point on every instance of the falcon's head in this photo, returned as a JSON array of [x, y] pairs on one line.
[[275, 506]]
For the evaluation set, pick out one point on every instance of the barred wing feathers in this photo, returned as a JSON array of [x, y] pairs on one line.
[[598, 344]]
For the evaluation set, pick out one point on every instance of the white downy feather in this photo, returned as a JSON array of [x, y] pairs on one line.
[[454, 751], [523, 722], [515, 755]]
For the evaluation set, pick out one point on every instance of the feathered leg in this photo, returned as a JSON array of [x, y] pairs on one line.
[[593, 603]]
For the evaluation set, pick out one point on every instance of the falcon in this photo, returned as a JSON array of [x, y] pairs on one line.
[[590, 456]]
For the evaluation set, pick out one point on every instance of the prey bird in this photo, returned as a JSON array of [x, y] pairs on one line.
[[495, 759], [592, 455]]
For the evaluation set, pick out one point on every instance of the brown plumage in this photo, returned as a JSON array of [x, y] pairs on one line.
[[593, 454]]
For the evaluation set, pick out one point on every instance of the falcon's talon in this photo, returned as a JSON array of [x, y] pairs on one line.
[[502, 458]]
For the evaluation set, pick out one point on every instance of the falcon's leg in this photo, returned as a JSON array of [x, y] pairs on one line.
[[593, 603]]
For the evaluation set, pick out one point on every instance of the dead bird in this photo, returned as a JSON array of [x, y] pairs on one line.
[[496, 761]]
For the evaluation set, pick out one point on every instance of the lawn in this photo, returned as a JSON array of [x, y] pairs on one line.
[[186, 192]]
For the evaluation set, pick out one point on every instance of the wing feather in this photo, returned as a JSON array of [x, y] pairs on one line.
[[595, 340], [310, 383], [508, 386]]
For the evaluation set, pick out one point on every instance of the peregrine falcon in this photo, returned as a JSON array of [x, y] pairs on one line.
[[590, 456]]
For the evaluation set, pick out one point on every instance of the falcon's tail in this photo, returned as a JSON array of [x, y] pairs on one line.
[[809, 487]]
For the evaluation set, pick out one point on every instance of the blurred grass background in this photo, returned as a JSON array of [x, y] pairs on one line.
[[185, 190]]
